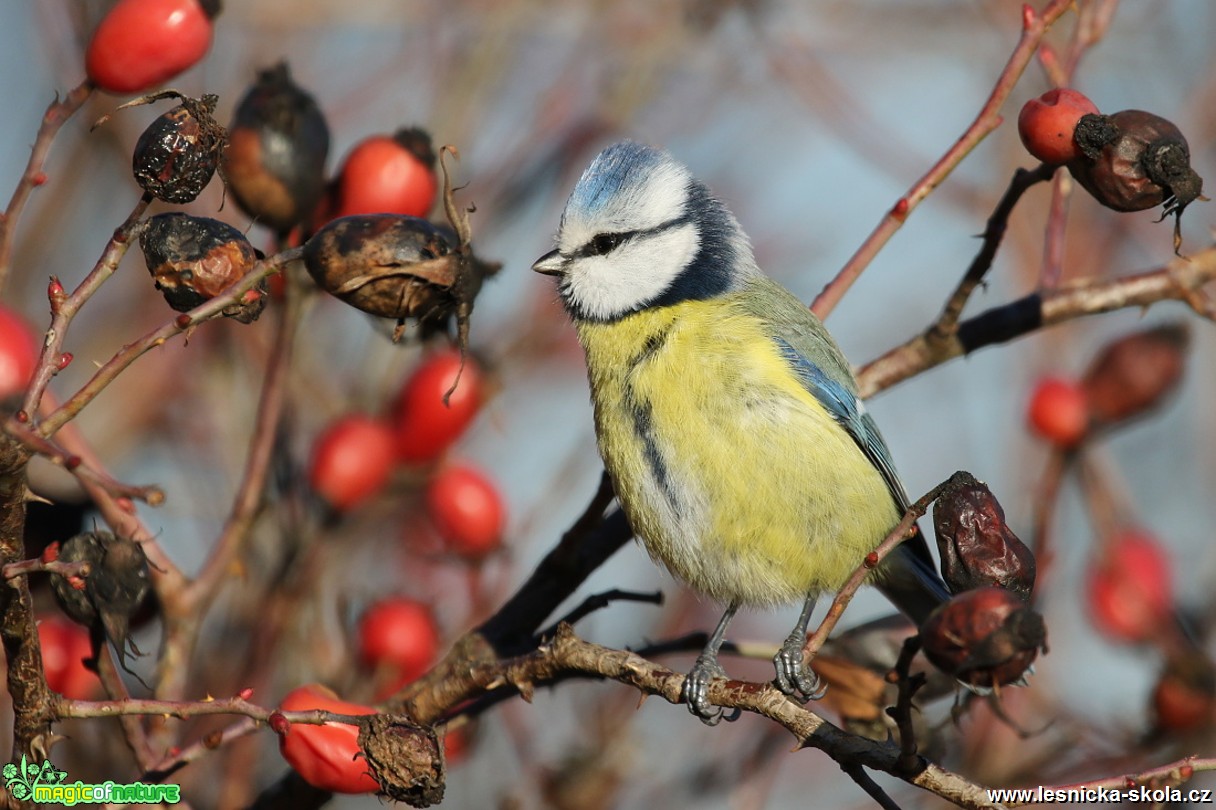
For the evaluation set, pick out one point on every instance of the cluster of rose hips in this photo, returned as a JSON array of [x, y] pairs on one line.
[[987, 635], [1131, 160], [355, 456], [371, 215], [1129, 589]]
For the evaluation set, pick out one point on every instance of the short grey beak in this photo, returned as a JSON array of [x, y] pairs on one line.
[[551, 264]]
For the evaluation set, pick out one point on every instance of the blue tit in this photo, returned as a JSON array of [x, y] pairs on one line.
[[727, 417]]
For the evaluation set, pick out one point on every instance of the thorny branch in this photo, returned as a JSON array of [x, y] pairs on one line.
[[1034, 28]]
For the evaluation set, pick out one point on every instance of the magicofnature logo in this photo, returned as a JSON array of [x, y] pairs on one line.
[[46, 784]]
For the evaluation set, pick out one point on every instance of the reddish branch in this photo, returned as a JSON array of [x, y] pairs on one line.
[[57, 113], [1034, 27]]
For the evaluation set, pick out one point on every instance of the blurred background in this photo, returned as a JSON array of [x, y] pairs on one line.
[[810, 121]]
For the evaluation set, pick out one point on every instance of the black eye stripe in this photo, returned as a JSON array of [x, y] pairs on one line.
[[604, 243]]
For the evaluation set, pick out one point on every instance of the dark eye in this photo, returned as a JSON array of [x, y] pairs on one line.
[[606, 243]]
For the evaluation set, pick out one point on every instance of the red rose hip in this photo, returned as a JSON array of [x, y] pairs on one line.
[[1059, 411], [326, 756], [467, 510], [18, 352], [388, 175], [398, 636], [1047, 123], [426, 425], [1130, 591], [351, 461], [141, 44]]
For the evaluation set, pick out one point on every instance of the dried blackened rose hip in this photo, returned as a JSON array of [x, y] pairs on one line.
[[985, 637], [390, 265], [977, 546], [193, 259], [177, 154], [1135, 373], [113, 590], [274, 162], [1134, 160]]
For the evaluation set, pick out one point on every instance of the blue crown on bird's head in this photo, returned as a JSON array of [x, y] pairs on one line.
[[619, 186]]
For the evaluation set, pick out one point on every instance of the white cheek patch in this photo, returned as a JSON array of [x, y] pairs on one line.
[[602, 287]]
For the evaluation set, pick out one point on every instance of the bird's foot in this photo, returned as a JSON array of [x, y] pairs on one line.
[[696, 691], [794, 677]]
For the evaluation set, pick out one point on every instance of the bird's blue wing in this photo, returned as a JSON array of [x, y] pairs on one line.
[[849, 412]]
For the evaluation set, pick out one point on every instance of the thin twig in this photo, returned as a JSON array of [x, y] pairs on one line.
[[64, 309], [57, 113], [182, 323], [845, 595], [599, 601], [1034, 27], [197, 750], [1023, 179], [901, 712], [1177, 281], [152, 495], [866, 782], [63, 568]]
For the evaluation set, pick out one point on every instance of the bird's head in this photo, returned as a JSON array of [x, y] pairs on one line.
[[639, 231]]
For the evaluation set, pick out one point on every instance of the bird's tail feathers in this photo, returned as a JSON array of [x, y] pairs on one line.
[[911, 583]]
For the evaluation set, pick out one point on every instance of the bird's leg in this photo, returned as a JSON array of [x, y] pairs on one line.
[[795, 678], [696, 685]]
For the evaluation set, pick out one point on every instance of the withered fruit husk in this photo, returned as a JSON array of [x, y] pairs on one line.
[[274, 161], [976, 545], [390, 265], [193, 259], [1135, 373], [176, 156], [115, 588], [985, 637], [1133, 160], [406, 759]]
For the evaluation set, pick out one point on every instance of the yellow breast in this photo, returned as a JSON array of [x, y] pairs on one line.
[[731, 473]]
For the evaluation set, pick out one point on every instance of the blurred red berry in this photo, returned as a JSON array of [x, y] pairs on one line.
[[467, 510], [65, 646], [1130, 591], [456, 745], [1047, 123], [18, 352], [326, 756], [1058, 411], [1184, 698], [398, 637], [387, 174], [426, 426], [352, 460], [140, 44]]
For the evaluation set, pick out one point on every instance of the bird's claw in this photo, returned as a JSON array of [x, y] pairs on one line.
[[794, 678], [696, 692]]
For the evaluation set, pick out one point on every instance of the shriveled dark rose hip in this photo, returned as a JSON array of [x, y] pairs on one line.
[[274, 162], [977, 546], [177, 154], [193, 259], [985, 637]]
